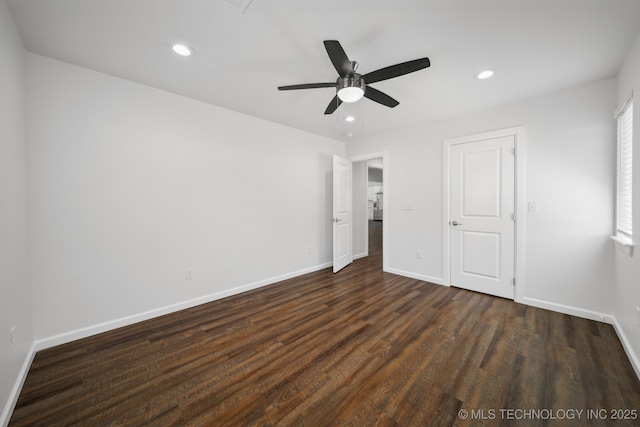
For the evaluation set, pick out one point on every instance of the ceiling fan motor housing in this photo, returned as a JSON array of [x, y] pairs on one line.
[[350, 88]]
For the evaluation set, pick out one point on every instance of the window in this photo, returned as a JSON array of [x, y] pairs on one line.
[[624, 218]]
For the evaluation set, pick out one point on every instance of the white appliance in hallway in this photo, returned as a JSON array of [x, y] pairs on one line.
[[374, 190]]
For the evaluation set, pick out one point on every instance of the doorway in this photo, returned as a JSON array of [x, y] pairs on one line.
[[370, 201]]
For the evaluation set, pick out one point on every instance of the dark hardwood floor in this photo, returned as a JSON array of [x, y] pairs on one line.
[[361, 348]]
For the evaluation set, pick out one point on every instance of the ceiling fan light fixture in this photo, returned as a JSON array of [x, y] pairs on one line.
[[351, 89], [350, 94]]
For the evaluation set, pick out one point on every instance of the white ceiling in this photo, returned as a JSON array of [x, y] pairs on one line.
[[537, 46]]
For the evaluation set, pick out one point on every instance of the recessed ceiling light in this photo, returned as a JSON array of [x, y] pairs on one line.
[[182, 49], [485, 74], [349, 119]]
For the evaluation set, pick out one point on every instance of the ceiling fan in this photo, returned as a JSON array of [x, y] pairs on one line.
[[351, 86]]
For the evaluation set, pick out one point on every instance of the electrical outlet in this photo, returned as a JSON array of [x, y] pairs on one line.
[[189, 274], [419, 254], [13, 337]]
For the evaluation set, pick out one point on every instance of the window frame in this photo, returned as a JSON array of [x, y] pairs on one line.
[[624, 171], [624, 178]]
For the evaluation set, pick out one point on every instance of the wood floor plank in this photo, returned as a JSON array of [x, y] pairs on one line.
[[361, 347]]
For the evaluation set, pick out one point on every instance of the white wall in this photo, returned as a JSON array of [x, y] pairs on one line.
[[130, 186], [569, 171], [15, 307], [627, 269]]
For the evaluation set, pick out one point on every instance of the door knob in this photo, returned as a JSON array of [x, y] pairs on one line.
[[455, 223]]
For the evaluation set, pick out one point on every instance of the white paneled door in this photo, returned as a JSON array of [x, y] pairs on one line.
[[482, 215], [342, 213]]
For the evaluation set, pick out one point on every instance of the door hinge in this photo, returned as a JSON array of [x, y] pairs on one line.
[[513, 151], [513, 216], [513, 281]]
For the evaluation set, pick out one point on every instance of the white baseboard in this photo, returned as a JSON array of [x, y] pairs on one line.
[[361, 255], [566, 309], [17, 387], [140, 317], [129, 320], [633, 357], [423, 277], [592, 315]]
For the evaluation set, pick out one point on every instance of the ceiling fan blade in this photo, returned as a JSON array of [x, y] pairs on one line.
[[307, 86], [396, 70], [333, 105], [338, 58], [380, 97]]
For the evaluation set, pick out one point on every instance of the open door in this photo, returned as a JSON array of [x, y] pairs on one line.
[[342, 213]]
